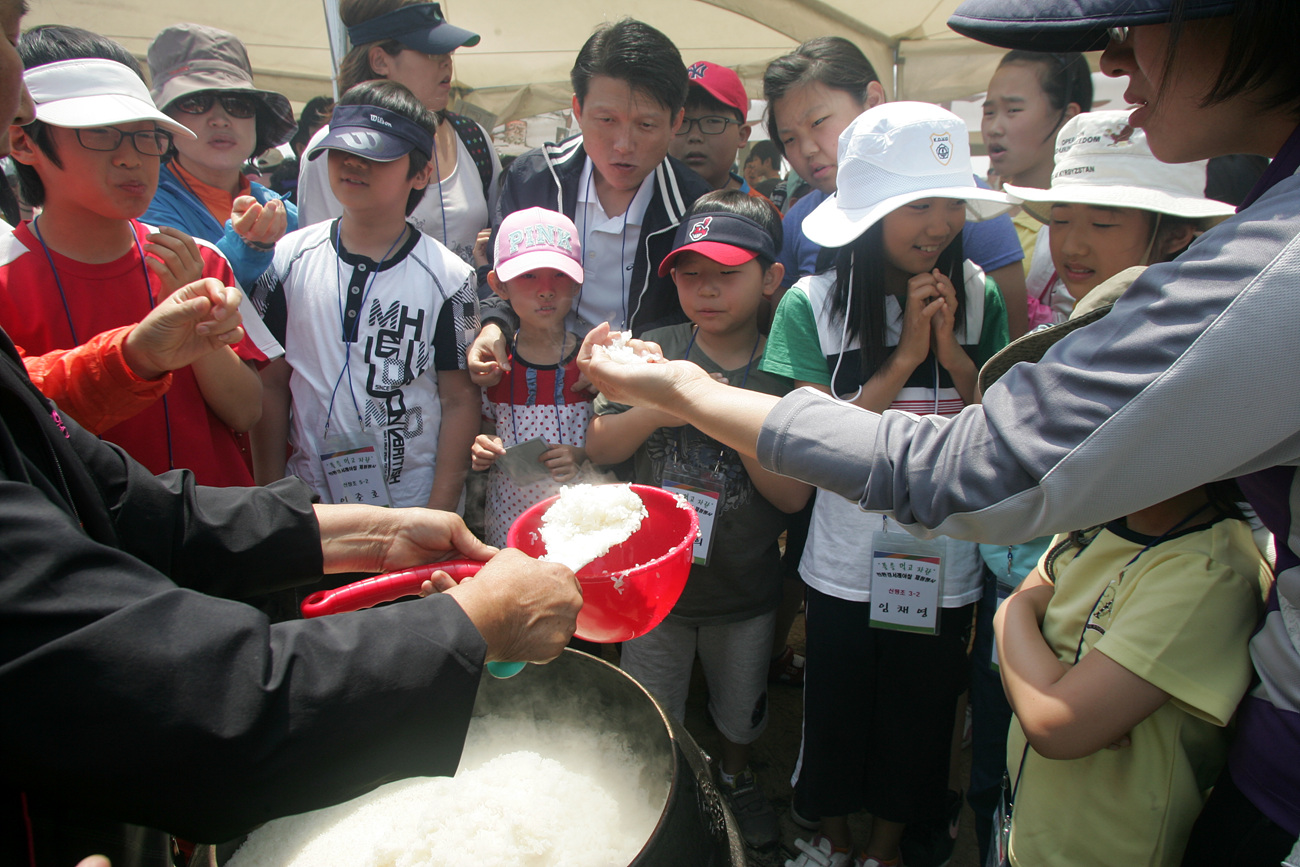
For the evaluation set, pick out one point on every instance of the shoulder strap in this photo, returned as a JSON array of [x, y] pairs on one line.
[[471, 134]]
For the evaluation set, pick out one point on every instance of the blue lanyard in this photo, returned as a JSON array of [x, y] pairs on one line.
[[437, 173], [350, 337], [67, 312]]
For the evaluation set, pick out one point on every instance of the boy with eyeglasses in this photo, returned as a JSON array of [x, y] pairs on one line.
[[713, 129], [86, 265]]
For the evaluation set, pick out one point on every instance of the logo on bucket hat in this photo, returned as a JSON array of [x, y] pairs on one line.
[[700, 229], [941, 147]]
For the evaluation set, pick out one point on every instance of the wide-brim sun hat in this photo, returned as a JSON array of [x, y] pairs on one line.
[[90, 92], [890, 156], [1067, 25], [193, 58], [1102, 160]]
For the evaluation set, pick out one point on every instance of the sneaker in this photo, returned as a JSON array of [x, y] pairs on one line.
[[818, 852], [804, 819], [754, 814], [930, 843], [786, 668]]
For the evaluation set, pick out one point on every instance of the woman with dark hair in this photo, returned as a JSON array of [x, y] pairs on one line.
[[412, 44], [202, 79], [1131, 410]]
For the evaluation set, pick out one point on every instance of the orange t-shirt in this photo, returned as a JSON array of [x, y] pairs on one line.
[[216, 200]]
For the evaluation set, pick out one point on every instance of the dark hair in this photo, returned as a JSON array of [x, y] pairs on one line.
[[634, 52], [396, 98], [832, 61], [1225, 498], [313, 116], [1231, 177], [765, 151], [50, 43], [1261, 59], [1064, 76], [744, 205], [860, 290], [355, 66], [698, 97]]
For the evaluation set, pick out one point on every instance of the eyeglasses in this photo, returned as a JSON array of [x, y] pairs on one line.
[[241, 107], [1117, 34], [150, 142], [712, 125]]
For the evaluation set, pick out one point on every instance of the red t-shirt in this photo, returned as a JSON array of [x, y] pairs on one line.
[[178, 431]]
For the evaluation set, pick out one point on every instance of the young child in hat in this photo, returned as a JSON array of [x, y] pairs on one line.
[[86, 265], [902, 321], [724, 264], [539, 272], [375, 318], [1112, 205], [201, 78]]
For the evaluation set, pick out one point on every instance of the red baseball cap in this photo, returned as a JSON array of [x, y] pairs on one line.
[[722, 84]]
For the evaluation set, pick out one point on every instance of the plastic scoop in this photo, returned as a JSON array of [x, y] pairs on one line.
[[625, 593]]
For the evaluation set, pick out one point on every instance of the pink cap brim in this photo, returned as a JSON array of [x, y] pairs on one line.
[[723, 254], [531, 261]]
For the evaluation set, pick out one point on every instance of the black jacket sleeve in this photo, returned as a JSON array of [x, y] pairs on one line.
[[132, 697]]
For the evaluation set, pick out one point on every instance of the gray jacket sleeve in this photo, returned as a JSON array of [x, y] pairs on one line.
[[1188, 380]]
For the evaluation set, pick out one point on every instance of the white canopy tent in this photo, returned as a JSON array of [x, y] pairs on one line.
[[521, 67]]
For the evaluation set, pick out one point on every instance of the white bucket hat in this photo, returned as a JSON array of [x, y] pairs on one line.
[[79, 94], [1101, 160], [894, 154]]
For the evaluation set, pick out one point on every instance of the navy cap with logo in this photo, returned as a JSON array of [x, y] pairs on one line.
[[1067, 25], [419, 26], [374, 133], [726, 238]]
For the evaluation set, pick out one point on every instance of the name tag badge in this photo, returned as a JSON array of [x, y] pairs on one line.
[[354, 470], [706, 491], [906, 583]]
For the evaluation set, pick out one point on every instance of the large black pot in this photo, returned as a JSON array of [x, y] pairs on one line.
[[695, 828]]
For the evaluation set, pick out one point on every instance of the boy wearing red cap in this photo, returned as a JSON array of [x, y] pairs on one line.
[[713, 129], [724, 264]]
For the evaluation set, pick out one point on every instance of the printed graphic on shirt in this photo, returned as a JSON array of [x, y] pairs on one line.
[[395, 354]]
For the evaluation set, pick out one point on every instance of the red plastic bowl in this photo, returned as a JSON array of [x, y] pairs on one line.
[[630, 590], [625, 594]]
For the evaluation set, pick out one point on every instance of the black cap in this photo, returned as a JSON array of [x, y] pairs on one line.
[[419, 27], [1067, 25]]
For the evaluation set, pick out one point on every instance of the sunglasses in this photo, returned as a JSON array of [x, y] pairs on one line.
[[241, 107]]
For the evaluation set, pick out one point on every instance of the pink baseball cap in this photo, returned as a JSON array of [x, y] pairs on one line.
[[537, 238], [722, 84]]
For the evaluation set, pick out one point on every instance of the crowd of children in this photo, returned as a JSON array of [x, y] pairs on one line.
[[1103, 665]]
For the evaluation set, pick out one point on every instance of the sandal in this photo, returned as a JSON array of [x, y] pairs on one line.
[[786, 668]]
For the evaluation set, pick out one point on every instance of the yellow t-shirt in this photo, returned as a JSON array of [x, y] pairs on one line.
[[1027, 231], [1180, 618]]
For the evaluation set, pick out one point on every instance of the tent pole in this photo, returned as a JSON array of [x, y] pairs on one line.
[[899, 60]]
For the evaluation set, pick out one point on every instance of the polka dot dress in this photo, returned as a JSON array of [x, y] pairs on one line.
[[531, 401]]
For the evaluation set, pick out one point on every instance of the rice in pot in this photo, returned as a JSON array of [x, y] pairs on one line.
[[526, 793]]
